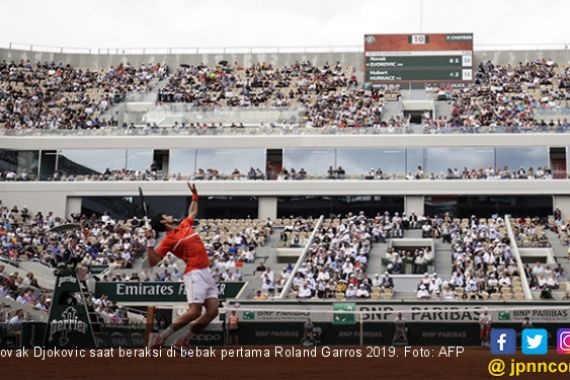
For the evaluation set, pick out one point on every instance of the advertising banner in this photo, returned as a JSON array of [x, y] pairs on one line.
[[68, 322], [148, 292]]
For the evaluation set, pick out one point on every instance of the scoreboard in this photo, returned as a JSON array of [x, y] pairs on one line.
[[401, 58]]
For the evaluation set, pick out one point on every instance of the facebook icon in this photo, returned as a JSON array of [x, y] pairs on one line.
[[503, 341]]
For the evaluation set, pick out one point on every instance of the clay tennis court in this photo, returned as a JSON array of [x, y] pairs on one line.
[[472, 364]]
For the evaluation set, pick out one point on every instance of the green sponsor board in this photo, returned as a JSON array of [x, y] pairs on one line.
[[68, 322], [344, 318], [504, 316], [377, 333], [148, 292]]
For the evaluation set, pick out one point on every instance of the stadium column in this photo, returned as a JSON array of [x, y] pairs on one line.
[[267, 208], [562, 202], [414, 203]]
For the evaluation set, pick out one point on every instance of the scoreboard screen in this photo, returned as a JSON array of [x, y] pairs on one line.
[[397, 58]]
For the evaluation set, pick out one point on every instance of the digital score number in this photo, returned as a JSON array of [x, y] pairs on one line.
[[418, 39]]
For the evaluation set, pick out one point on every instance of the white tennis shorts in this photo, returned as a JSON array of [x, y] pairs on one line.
[[200, 285]]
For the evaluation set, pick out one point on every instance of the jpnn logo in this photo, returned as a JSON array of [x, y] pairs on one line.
[[534, 341], [503, 341]]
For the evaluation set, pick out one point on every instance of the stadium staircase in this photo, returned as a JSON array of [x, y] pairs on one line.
[[413, 234], [560, 252], [377, 253], [266, 255], [391, 109], [32, 313], [443, 262], [561, 256], [126, 114], [43, 274], [442, 108]]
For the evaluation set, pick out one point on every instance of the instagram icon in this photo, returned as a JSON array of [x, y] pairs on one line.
[[563, 341]]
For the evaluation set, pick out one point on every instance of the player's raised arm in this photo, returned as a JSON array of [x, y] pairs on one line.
[[153, 257], [193, 209]]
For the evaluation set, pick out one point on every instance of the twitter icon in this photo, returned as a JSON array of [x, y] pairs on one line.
[[534, 341]]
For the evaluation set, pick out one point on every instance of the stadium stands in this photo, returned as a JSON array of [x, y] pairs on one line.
[[502, 98], [46, 95], [337, 259], [101, 240], [336, 265], [505, 98]]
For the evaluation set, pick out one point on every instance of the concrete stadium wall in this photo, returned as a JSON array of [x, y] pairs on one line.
[[63, 197], [286, 141], [173, 60]]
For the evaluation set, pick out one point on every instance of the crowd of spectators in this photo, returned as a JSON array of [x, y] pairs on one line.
[[544, 279], [53, 95], [506, 97], [330, 94], [57, 96], [11, 175], [338, 173], [529, 233], [561, 226], [230, 85], [296, 231], [408, 260], [232, 243], [213, 174], [104, 311], [483, 263], [110, 175], [24, 290], [336, 261], [100, 240]]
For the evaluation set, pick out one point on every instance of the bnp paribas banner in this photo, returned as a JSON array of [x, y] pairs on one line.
[[68, 323], [147, 292], [341, 312]]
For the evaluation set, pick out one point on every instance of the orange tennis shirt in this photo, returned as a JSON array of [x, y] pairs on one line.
[[185, 243]]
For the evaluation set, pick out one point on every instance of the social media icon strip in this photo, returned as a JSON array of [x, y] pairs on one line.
[[534, 341], [503, 341], [563, 341]]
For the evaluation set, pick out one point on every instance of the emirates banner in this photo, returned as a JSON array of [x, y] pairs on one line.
[[149, 292]]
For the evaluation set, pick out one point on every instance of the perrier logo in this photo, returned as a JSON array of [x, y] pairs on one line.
[[69, 323], [504, 316]]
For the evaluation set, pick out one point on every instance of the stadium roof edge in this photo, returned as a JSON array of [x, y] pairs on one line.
[[19, 46]]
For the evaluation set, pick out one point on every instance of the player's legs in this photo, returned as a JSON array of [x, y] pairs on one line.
[[195, 293], [194, 311], [211, 305], [205, 291]]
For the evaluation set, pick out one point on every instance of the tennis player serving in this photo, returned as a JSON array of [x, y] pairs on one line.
[[201, 289]]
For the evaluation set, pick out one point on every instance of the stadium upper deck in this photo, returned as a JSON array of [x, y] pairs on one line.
[[502, 98], [331, 122]]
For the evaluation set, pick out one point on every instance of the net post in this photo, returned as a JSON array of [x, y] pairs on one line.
[[361, 320], [149, 324]]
